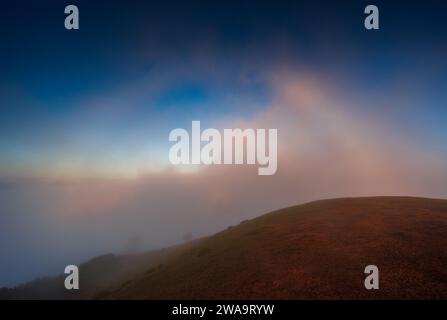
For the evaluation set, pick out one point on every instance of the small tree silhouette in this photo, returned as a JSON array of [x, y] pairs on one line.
[[188, 237], [133, 244]]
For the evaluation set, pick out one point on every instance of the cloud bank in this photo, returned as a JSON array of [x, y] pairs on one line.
[[325, 150]]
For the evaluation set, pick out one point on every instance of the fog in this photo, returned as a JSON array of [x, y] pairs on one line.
[[324, 151]]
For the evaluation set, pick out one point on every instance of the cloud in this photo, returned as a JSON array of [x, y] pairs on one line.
[[326, 149]]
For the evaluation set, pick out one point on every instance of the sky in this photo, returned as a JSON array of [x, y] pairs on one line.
[[86, 115]]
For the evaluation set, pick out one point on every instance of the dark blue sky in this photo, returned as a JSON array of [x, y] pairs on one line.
[[146, 64]]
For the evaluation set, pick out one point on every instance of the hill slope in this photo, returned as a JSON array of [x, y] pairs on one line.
[[312, 251], [316, 250], [95, 276]]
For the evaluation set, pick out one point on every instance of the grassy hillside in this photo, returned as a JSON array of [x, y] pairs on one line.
[[312, 251], [95, 276]]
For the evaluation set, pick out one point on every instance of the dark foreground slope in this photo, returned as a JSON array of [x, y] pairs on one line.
[[316, 250], [312, 251], [95, 276]]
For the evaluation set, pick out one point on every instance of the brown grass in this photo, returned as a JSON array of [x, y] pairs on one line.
[[313, 251]]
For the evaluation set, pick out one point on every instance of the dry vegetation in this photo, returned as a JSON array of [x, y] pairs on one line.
[[317, 250], [312, 251]]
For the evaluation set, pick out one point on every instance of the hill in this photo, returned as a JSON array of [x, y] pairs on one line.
[[313, 251], [96, 276]]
